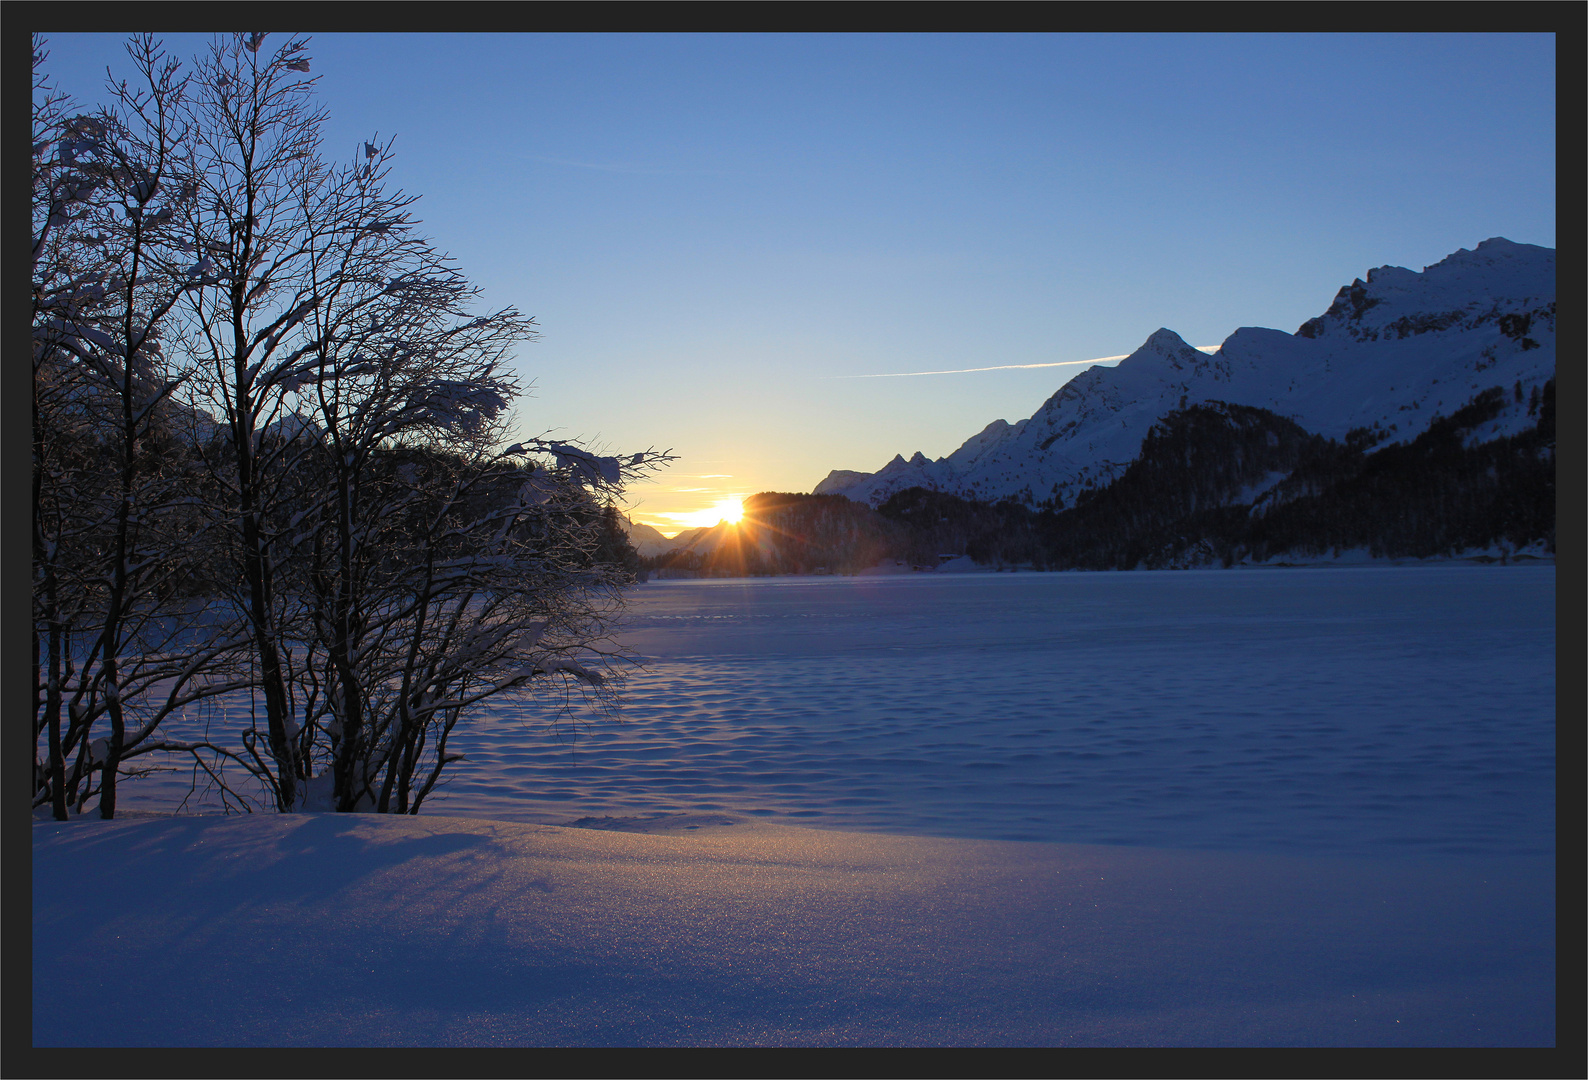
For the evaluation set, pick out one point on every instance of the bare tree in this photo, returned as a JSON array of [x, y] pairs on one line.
[[58, 194], [284, 367], [257, 169], [393, 357], [424, 563], [111, 513]]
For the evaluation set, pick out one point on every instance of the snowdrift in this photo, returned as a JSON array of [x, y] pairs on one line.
[[358, 930]]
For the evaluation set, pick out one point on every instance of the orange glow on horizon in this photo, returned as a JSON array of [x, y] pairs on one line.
[[729, 509]]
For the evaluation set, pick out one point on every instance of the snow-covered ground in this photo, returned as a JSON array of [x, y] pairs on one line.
[[1284, 807], [351, 930]]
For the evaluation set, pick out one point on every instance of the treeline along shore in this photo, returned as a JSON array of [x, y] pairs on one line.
[[1215, 485]]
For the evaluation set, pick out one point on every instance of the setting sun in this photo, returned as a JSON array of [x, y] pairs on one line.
[[729, 509]]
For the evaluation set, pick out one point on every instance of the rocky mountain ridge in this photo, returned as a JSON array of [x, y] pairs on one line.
[[1391, 354]]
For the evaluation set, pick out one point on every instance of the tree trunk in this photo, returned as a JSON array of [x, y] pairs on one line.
[[118, 732], [52, 716], [256, 574]]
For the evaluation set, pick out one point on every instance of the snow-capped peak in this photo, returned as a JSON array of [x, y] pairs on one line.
[[1464, 284]]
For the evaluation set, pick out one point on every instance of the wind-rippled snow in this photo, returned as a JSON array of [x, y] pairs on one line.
[[1346, 710]]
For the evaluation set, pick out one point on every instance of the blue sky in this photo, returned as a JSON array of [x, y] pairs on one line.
[[716, 231]]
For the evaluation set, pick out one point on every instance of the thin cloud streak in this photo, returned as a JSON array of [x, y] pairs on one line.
[[1003, 367]]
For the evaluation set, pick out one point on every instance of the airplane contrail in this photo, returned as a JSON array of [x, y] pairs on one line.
[[1004, 367]]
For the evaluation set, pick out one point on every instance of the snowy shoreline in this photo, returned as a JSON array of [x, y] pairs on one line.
[[363, 930], [1535, 555]]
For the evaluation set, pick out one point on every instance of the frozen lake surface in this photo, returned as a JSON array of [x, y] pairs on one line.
[[1345, 710], [1341, 710]]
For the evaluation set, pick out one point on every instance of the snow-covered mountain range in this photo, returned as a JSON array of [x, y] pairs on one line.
[[1390, 354]]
